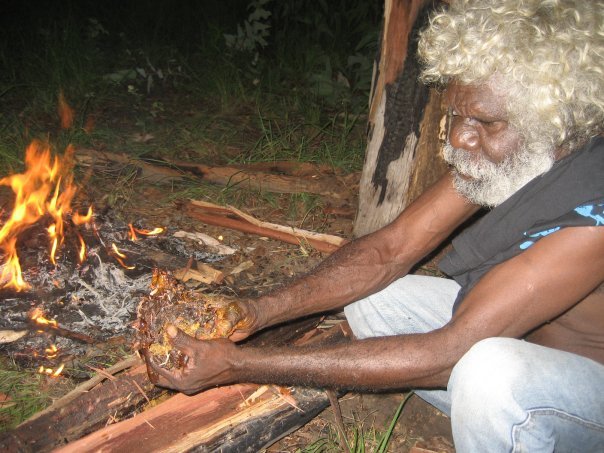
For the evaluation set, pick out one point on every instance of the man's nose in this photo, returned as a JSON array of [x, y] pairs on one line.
[[463, 135]]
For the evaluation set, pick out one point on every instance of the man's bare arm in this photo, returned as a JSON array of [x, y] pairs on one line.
[[511, 300], [370, 263]]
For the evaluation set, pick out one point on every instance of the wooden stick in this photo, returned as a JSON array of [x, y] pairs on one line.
[[60, 331], [337, 415], [215, 215]]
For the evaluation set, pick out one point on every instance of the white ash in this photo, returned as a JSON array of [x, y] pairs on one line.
[[115, 294]]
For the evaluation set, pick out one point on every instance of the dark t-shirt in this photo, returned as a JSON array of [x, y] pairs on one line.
[[570, 194]]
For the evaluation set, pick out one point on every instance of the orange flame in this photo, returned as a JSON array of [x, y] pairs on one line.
[[44, 189], [79, 219], [52, 351], [50, 372], [37, 315], [82, 254], [120, 257], [132, 233]]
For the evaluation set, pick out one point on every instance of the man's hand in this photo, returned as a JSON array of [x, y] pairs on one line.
[[208, 364]]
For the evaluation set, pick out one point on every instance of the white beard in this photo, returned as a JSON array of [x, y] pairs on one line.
[[490, 184]]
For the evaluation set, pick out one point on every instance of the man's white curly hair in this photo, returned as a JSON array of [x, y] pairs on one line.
[[547, 55]]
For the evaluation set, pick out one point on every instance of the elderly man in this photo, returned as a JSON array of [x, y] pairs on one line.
[[513, 346]]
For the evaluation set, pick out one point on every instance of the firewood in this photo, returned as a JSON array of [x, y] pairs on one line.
[[60, 331], [9, 336], [84, 387], [233, 176], [290, 168], [152, 173], [209, 421], [315, 183], [233, 218], [85, 412]]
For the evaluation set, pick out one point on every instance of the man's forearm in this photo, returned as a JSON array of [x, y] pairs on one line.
[[377, 363], [370, 263], [355, 271]]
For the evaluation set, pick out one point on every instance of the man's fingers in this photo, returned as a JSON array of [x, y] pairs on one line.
[[181, 340], [164, 377]]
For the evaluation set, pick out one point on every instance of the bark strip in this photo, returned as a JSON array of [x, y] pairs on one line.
[[304, 180]]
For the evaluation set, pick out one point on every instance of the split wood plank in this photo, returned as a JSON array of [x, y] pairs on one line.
[[233, 218], [217, 418], [98, 401]]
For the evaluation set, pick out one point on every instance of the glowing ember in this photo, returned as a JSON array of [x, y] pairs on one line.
[[44, 190]]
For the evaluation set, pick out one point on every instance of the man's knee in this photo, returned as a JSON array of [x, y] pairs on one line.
[[488, 372]]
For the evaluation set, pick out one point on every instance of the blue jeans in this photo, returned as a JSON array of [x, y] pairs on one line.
[[504, 394]]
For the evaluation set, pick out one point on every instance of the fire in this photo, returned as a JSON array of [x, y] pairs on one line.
[[52, 351], [44, 190], [120, 257], [132, 233], [37, 316], [50, 372]]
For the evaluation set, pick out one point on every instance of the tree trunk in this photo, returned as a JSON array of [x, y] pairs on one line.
[[404, 115]]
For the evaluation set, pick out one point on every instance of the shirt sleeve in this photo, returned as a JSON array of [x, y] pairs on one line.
[[590, 214]]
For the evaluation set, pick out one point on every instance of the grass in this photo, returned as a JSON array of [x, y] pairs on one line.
[[26, 394], [360, 439]]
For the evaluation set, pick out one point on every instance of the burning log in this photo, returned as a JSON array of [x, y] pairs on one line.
[[39, 322], [231, 217]]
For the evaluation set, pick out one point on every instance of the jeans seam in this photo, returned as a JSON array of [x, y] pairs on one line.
[[557, 413]]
